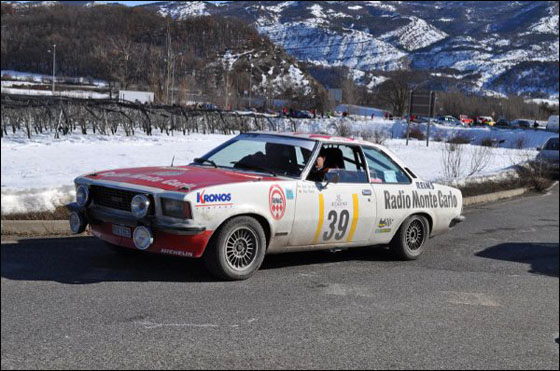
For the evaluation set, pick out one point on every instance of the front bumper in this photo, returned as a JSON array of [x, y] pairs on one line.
[[97, 215], [171, 238]]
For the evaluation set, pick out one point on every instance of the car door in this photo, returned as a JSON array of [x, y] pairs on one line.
[[339, 213], [391, 186]]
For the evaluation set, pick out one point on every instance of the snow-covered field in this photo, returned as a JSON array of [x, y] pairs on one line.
[[37, 174], [65, 93]]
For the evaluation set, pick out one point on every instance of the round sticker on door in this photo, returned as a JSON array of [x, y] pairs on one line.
[[277, 202]]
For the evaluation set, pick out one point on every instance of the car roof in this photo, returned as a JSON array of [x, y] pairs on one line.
[[331, 139], [324, 138]]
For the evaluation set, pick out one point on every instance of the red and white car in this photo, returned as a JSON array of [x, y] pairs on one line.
[[466, 120], [262, 193]]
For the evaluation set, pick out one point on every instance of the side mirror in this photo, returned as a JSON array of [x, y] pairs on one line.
[[332, 177], [539, 149]]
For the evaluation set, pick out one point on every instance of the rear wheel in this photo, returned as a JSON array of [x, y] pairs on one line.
[[237, 250], [409, 242]]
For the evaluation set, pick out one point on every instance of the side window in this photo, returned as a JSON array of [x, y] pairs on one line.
[[382, 169], [347, 161]]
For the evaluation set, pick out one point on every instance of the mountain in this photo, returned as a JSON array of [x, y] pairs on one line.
[[478, 46], [492, 48], [217, 59]]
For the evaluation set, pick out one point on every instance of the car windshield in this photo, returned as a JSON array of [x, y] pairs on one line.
[[552, 145], [262, 153]]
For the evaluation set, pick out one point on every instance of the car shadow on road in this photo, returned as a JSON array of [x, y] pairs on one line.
[[543, 257], [326, 257], [84, 260]]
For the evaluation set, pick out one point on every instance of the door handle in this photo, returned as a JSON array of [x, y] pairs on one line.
[[366, 192]]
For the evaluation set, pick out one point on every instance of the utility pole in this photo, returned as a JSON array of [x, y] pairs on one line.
[[227, 84], [250, 84], [173, 83], [168, 67], [53, 66]]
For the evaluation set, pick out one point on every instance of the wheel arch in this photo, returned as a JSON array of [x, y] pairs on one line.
[[428, 217], [259, 218]]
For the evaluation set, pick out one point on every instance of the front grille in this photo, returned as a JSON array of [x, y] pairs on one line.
[[115, 198]]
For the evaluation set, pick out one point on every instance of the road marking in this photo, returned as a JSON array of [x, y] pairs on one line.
[[348, 290], [151, 325], [355, 216], [470, 298], [321, 212]]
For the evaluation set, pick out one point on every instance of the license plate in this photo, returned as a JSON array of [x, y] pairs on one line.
[[119, 230]]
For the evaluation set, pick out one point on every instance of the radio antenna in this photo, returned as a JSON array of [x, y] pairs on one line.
[[172, 160]]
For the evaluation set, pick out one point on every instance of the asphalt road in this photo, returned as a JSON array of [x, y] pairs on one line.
[[483, 296]]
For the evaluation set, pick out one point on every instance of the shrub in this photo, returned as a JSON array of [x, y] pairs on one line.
[[416, 133], [459, 139], [487, 142], [452, 160], [344, 130], [437, 138], [377, 136]]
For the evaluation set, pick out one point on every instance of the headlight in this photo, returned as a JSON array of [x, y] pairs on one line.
[[176, 208], [142, 237], [77, 223], [82, 195], [139, 206]]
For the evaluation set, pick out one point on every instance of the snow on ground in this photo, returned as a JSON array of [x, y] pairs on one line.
[[37, 174], [65, 93]]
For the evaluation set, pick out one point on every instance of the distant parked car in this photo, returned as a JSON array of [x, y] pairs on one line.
[[549, 152], [485, 120], [552, 124], [502, 122], [521, 123], [466, 120], [303, 115], [450, 120]]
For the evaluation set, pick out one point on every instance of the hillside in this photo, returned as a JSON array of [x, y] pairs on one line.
[[475, 44], [200, 59], [492, 48]]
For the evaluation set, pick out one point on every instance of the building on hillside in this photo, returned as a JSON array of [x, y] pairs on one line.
[[335, 96], [361, 111], [136, 96]]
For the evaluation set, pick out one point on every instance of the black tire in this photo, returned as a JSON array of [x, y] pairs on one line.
[[410, 240], [237, 250]]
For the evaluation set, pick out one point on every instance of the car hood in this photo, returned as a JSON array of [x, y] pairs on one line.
[[177, 178]]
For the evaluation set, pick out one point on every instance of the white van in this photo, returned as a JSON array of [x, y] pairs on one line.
[[552, 123]]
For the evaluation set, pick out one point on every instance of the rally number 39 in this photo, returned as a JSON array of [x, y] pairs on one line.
[[341, 226]]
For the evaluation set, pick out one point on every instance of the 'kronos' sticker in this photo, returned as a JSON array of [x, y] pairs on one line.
[[277, 202]]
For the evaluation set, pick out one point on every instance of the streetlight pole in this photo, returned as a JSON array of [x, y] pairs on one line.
[[250, 84], [53, 66]]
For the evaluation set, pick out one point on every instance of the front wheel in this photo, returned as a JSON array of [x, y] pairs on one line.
[[237, 251], [409, 242]]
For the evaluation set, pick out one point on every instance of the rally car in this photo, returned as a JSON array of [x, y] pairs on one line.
[[262, 193]]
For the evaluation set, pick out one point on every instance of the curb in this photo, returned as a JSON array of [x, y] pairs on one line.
[[35, 227], [491, 197], [550, 188]]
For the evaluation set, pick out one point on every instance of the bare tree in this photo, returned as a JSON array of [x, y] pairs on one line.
[[480, 157], [452, 160]]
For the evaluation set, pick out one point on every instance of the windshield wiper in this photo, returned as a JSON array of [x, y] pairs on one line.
[[253, 167], [200, 160]]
